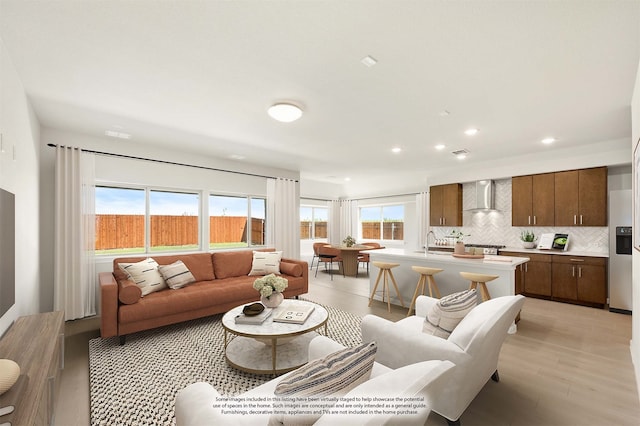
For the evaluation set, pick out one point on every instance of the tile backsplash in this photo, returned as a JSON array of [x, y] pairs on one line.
[[494, 227]]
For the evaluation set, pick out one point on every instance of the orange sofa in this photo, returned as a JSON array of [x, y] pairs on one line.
[[222, 282]]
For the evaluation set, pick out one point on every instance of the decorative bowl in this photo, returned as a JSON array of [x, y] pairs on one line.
[[9, 373], [253, 309]]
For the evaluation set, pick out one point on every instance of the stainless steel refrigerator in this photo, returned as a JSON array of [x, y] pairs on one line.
[[620, 248]]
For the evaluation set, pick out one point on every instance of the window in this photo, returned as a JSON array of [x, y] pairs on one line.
[[120, 220], [382, 222], [313, 223], [174, 220], [233, 218]]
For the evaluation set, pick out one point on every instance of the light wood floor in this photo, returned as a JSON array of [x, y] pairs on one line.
[[567, 365]]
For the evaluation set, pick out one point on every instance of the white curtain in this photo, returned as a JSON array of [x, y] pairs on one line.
[[422, 215], [74, 246], [343, 220], [334, 232], [283, 216]]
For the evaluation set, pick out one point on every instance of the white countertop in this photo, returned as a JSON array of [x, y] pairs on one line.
[[560, 252], [446, 257]]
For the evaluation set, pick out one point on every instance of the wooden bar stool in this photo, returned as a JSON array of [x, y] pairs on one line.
[[426, 276], [385, 270], [481, 279]]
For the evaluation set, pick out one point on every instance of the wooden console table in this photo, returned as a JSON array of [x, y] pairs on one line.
[[36, 343]]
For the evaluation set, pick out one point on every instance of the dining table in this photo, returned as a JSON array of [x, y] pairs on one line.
[[349, 255]]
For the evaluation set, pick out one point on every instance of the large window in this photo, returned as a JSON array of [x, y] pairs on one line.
[[236, 221], [120, 220], [313, 223], [382, 222], [174, 220]]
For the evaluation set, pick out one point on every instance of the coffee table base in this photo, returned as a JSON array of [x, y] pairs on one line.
[[253, 356]]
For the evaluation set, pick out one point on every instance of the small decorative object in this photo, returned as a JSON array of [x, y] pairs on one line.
[[459, 248], [349, 241], [528, 239], [9, 373], [271, 287], [253, 309]]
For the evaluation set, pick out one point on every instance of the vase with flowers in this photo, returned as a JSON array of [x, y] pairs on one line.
[[349, 241], [270, 288]]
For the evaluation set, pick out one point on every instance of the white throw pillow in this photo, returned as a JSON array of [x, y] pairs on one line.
[[266, 262], [447, 313], [145, 274], [176, 275]]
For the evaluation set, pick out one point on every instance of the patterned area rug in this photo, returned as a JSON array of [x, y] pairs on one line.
[[136, 384]]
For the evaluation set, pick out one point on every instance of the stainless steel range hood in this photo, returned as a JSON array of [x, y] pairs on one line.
[[485, 192]]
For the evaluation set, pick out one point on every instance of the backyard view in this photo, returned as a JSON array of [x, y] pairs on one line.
[[173, 221]]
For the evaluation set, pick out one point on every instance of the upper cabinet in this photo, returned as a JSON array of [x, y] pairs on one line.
[[581, 197], [533, 200], [445, 205], [571, 198]]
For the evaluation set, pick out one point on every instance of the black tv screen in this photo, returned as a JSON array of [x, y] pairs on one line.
[[7, 251]]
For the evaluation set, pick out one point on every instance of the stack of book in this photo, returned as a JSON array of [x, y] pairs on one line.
[[254, 319], [294, 314]]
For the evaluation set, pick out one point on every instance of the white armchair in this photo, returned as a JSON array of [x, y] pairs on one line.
[[473, 346], [195, 404]]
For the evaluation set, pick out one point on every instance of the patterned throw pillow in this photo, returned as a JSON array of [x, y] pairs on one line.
[[266, 262], [447, 313], [176, 275], [336, 374], [145, 274]]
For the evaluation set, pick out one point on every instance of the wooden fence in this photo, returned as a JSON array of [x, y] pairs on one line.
[[305, 229], [127, 231], [370, 230]]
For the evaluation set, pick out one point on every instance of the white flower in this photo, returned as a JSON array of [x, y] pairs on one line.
[[269, 284]]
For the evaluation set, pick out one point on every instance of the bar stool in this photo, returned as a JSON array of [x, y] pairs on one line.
[[426, 276], [385, 270], [481, 279]]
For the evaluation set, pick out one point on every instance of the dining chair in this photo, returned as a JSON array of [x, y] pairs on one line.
[[330, 255], [316, 252], [364, 257]]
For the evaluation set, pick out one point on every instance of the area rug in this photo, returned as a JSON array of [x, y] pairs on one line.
[[136, 384]]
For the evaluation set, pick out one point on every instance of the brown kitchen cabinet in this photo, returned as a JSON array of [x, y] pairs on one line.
[[581, 197], [533, 278], [445, 205], [580, 279], [532, 200]]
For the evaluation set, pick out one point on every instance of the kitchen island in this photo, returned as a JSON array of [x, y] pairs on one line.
[[449, 280]]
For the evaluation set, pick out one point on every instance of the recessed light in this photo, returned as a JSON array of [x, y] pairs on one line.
[[548, 141], [440, 147], [237, 157], [471, 132], [461, 156], [285, 112], [119, 135], [347, 179], [396, 149], [369, 61]]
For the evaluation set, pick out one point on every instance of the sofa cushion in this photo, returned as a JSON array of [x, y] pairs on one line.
[[292, 269], [199, 264], [176, 275], [447, 313], [265, 263], [335, 374], [145, 274], [128, 292]]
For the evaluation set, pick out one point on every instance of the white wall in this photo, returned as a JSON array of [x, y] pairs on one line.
[[19, 175], [635, 336]]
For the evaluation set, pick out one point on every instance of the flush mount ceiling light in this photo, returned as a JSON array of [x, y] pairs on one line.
[[369, 61], [548, 141], [471, 132], [285, 112]]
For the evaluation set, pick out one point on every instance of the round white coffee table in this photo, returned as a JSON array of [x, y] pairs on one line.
[[271, 347]]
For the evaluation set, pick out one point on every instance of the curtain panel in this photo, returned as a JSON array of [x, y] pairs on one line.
[[283, 216], [422, 215], [75, 278]]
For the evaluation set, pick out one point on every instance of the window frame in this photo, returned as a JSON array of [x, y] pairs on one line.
[[381, 208]]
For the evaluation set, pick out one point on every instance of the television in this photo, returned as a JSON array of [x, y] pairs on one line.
[[7, 251]]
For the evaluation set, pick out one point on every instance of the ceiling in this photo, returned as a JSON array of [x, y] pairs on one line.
[[198, 76]]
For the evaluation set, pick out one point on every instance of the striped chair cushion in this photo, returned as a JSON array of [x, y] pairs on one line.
[[336, 374], [445, 315], [177, 275]]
